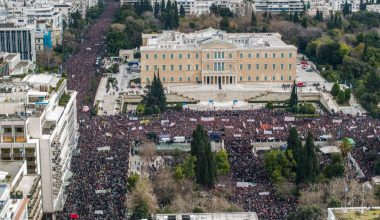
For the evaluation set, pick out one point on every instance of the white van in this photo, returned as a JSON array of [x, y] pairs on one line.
[[179, 139], [165, 140]]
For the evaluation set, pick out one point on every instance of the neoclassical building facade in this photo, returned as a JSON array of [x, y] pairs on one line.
[[213, 56]]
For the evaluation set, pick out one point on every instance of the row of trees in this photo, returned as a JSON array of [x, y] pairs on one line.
[[299, 162], [168, 13]]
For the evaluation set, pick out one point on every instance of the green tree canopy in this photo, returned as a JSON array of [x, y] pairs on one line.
[[223, 167], [155, 97], [293, 95], [335, 89], [307, 165], [205, 164]]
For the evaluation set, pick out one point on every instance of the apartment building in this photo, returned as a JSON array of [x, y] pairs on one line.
[[279, 5], [213, 56], [20, 193], [38, 124], [18, 39], [338, 5], [198, 7], [12, 65]]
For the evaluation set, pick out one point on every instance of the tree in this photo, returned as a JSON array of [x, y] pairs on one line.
[[156, 8], [306, 212], [347, 94], [178, 173], [291, 16], [304, 22], [205, 161], [224, 24], [341, 97], [296, 19], [175, 15], [182, 11], [155, 97], [214, 8], [307, 165], [223, 167], [377, 192], [188, 167], [376, 167], [362, 6], [141, 210], [335, 89], [294, 143], [345, 147], [132, 181], [279, 165], [293, 95], [336, 168], [346, 8], [253, 19], [142, 200]]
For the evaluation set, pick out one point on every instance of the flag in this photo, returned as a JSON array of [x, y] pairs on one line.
[[74, 216]]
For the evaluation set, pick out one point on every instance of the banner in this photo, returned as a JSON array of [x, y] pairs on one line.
[[207, 119], [289, 119]]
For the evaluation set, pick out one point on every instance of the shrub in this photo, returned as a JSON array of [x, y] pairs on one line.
[[178, 106], [341, 97], [148, 111], [270, 105], [376, 166], [335, 89]]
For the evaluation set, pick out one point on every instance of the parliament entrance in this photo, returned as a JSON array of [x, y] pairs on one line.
[[219, 80]]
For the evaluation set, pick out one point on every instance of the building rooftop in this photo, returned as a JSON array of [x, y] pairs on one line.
[[11, 168], [40, 78], [174, 40], [353, 213], [28, 183]]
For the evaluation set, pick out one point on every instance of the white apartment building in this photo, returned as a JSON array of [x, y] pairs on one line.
[[337, 5], [198, 7], [18, 39], [279, 5], [20, 193], [14, 65], [38, 123], [373, 8], [43, 18]]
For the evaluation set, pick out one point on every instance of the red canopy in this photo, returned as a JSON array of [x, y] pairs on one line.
[[74, 216]]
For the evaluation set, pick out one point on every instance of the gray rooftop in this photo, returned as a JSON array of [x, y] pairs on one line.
[[200, 39], [12, 167], [28, 183]]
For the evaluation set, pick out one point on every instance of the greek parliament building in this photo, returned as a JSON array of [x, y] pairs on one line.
[[213, 56]]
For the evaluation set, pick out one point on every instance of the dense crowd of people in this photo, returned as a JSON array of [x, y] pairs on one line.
[[239, 128], [81, 68], [100, 167], [98, 185]]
